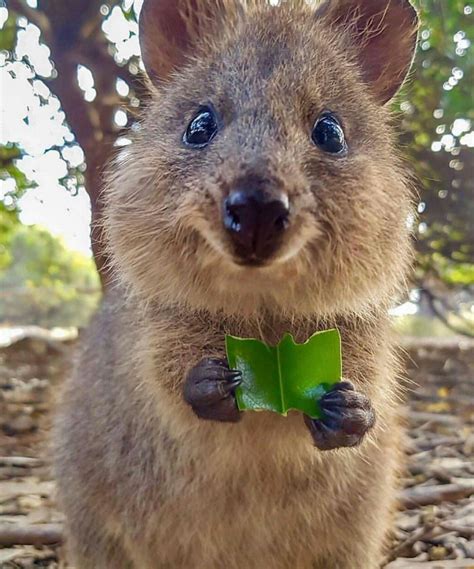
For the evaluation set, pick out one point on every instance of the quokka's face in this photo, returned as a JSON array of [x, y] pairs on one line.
[[264, 174]]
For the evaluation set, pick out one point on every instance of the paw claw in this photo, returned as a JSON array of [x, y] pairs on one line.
[[234, 375], [229, 387]]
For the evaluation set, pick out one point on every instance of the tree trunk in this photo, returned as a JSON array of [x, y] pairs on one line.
[[72, 31]]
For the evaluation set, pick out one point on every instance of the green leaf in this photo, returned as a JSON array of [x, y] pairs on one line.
[[286, 376], [8, 34]]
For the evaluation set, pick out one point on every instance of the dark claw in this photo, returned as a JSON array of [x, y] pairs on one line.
[[347, 416], [229, 387], [235, 375], [209, 389]]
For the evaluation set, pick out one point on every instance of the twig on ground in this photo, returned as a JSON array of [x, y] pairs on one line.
[[37, 535], [431, 495]]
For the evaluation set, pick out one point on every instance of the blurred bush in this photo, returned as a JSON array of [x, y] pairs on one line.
[[438, 136], [46, 284]]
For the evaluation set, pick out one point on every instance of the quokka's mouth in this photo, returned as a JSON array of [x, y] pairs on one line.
[[252, 263]]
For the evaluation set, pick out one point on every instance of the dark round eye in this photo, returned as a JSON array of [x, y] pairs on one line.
[[328, 134], [202, 129]]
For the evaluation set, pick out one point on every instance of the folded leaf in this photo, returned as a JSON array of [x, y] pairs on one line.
[[286, 376]]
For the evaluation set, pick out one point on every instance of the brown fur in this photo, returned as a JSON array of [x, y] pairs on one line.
[[143, 481]]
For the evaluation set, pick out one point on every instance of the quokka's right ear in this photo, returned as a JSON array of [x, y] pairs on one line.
[[170, 30]]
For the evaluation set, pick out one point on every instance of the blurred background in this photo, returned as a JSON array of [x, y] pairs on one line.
[[70, 89]]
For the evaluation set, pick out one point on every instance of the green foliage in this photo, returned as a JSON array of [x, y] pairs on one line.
[[45, 283], [8, 34], [438, 114], [15, 184], [8, 223], [9, 171]]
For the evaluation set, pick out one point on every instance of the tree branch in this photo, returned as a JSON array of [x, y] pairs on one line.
[[36, 17], [431, 495], [440, 314]]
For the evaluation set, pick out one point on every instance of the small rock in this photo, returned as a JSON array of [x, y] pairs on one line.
[[437, 553], [468, 547], [19, 425]]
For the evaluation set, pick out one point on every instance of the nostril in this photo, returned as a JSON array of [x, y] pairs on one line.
[[235, 224], [281, 222], [231, 219]]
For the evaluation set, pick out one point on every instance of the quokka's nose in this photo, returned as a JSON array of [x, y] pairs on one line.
[[256, 222]]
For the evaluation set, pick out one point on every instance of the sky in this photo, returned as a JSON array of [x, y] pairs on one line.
[[49, 204], [32, 117]]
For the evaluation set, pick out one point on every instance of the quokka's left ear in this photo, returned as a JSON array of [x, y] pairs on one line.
[[384, 33]]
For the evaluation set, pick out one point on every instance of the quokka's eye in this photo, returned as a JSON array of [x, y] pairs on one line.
[[328, 134], [202, 129]]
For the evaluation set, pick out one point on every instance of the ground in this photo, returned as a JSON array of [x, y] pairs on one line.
[[435, 524]]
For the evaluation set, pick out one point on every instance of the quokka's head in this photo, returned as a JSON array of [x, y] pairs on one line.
[[263, 175]]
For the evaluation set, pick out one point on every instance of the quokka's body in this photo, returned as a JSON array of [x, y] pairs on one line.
[[156, 467]]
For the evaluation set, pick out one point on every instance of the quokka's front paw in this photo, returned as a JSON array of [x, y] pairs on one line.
[[210, 390], [347, 416]]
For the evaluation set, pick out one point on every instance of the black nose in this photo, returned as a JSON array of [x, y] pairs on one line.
[[256, 222]]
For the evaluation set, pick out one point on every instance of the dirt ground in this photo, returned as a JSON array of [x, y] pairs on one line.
[[435, 524]]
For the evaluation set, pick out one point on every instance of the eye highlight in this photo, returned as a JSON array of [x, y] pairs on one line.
[[202, 129], [328, 134]]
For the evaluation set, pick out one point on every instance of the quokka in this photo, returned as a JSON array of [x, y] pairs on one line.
[[261, 195]]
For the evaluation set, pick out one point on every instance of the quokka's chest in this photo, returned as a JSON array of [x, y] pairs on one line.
[[259, 519]]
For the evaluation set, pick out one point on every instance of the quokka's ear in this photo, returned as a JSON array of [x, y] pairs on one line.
[[384, 34], [170, 29]]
